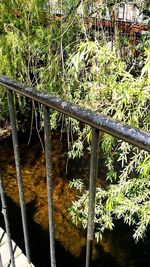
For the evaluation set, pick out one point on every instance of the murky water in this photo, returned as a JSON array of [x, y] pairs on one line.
[[116, 249]]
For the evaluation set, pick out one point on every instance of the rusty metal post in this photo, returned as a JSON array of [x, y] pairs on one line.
[[18, 171], [92, 189], [49, 176]]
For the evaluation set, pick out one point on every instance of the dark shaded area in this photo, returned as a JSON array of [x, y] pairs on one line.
[[122, 250], [121, 241], [39, 238], [39, 242], [128, 252]]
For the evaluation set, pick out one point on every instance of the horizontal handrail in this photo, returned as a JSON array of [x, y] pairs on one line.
[[122, 131]]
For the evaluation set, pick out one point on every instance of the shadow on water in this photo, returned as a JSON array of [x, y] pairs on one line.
[[117, 248], [39, 242], [38, 238], [128, 252]]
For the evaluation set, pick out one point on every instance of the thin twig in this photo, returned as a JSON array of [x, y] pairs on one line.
[[31, 126]]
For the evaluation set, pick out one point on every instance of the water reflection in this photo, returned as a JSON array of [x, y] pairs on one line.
[[116, 249]]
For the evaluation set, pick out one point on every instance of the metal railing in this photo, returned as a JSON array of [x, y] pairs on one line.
[[98, 123]]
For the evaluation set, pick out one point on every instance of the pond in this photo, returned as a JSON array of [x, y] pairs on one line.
[[117, 249]]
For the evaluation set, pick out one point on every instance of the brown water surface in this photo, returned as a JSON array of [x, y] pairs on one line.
[[116, 249]]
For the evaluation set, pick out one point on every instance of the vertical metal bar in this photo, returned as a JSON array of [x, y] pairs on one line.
[[18, 171], [92, 189], [1, 264], [6, 220], [48, 155]]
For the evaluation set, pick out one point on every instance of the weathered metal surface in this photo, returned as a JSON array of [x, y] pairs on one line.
[[49, 176], [18, 171], [124, 132], [92, 189]]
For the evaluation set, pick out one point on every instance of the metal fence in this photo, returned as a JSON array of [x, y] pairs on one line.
[[98, 123]]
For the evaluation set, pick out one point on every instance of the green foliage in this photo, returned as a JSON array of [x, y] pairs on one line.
[[129, 200], [66, 57], [99, 80], [3, 105], [33, 44], [113, 91]]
